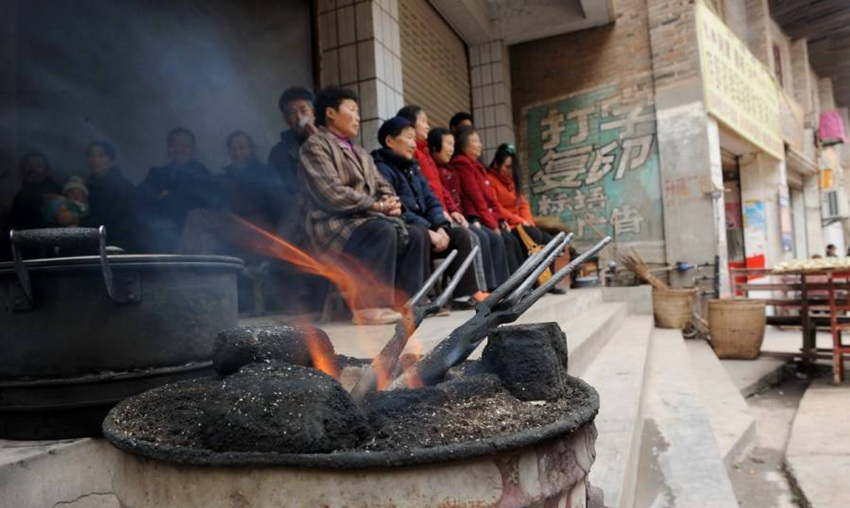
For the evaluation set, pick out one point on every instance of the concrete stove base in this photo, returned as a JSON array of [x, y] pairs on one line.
[[552, 473]]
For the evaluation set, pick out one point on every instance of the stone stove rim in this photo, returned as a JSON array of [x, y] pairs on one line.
[[359, 459]]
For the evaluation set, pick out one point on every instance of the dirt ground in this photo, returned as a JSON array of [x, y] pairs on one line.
[[760, 481]]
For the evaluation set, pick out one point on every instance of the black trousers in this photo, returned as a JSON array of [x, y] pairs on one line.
[[375, 245], [460, 239], [513, 246], [492, 243]]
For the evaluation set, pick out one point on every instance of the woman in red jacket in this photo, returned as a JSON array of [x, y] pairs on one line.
[[513, 207], [477, 198], [441, 145]]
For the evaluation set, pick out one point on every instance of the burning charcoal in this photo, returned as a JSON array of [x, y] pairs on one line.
[[465, 369], [472, 386], [384, 405], [289, 344], [350, 370], [283, 408], [531, 360]]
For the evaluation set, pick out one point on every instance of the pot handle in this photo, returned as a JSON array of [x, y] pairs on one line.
[[82, 238]]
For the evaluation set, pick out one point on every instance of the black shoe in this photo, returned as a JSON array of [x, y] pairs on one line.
[[557, 291]]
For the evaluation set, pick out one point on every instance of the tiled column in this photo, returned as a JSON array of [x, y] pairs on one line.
[[360, 49], [491, 95]]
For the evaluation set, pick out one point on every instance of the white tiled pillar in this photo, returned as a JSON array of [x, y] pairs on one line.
[[491, 95], [360, 49]]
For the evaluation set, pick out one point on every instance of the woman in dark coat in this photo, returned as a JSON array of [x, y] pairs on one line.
[[110, 197], [397, 163]]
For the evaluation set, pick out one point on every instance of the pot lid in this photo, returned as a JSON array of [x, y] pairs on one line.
[[135, 260]]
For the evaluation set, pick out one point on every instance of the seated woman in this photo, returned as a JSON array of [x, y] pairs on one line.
[[397, 163], [350, 210], [441, 145], [513, 207], [110, 197], [477, 196], [38, 185], [451, 209]]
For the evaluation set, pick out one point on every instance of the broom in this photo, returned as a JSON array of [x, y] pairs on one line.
[[635, 263]]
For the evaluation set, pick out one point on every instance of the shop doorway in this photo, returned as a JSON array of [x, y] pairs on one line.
[[734, 218]]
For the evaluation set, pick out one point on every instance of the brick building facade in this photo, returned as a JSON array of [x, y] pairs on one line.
[[619, 119]]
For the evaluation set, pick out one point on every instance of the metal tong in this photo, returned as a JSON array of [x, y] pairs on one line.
[[386, 364], [504, 305]]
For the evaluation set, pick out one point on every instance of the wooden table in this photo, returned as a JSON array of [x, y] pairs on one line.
[[821, 298]]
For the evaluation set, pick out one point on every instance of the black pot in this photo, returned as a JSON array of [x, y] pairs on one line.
[[81, 333]]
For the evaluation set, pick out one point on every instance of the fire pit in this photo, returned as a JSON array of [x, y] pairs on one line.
[[511, 429], [465, 442]]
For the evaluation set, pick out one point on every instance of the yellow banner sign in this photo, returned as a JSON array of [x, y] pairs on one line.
[[739, 91]]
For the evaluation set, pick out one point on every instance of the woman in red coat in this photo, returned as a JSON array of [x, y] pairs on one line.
[[513, 207], [441, 145], [477, 197]]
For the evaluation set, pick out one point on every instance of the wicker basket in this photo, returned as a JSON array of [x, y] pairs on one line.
[[673, 307], [736, 328]]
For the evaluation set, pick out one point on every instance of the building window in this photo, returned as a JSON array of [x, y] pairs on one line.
[[777, 64]]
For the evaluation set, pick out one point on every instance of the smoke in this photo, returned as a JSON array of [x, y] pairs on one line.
[[130, 71]]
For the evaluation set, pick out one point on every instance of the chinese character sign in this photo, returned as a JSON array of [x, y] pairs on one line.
[[593, 162], [739, 90]]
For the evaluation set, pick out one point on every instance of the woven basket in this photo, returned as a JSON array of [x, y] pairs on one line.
[[673, 307], [736, 328]]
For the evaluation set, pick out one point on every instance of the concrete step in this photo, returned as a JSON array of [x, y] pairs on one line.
[[680, 461], [367, 341], [618, 374], [731, 419], [590, 332], [71, 473]]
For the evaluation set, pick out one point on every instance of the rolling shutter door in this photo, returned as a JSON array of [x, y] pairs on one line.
[[435, 68]]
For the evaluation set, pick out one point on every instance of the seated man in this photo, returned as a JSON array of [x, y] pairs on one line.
[[37, 185], [170, 192], [459, 120], [296, 105], [398, 164], [352, 212], [251, 192]]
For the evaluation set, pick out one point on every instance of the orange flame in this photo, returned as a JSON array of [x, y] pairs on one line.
[[321, 357], [413, 379], [352, 282]]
